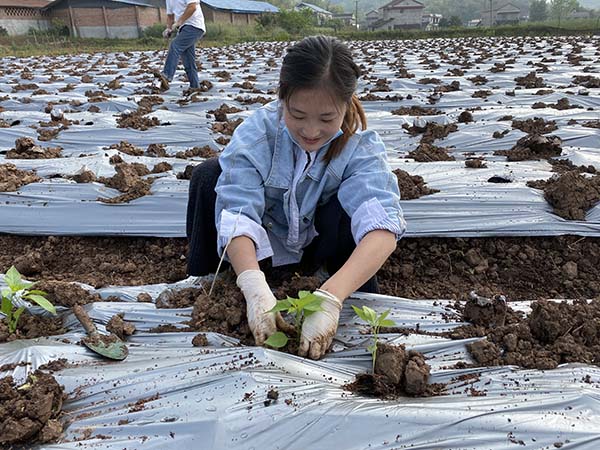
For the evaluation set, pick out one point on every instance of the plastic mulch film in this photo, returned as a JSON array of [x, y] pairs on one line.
[[168, 393], [467, 204]]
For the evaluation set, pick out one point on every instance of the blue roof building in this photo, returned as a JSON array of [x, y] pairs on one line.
[[235, 11]]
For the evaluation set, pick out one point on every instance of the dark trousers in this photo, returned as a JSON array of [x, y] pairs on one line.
[[332, 247]]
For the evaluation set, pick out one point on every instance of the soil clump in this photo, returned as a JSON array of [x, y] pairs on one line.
[[31, 327], [128, 180], [29, 413], [430, 153], [25, 148], [570, 194], [533, 147], [11, 178], [398, 372], [553, 333], [412, 186]]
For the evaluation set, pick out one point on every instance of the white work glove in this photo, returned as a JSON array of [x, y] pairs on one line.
[[319, 328], [259, 300], [167, 33]]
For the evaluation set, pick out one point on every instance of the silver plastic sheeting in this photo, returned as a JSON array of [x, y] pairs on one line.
[[213, 397], [467, 204]]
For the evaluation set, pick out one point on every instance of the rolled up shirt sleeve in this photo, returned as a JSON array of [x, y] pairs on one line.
[[240, 201], [237, 224], [369, 190]]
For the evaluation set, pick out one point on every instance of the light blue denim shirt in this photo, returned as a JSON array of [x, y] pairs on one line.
[[270, 188]]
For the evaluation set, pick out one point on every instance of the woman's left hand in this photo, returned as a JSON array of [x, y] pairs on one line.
[[319, 328]]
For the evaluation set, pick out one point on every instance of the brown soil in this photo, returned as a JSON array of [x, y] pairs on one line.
[[537, 125], [11, 178], [30, 327], [128, 180], [25, 148], [533, 147], [29, 413], [119, 327], [553, 333], [227, 127], [397, 372], [571, 194], [127, 148], [430, 153], [61, 293], [525, 268], [431, 131], [412, 186], [202, 152], [416, 111], [137, 120], [200, 340], [475, 163], [530, 81]]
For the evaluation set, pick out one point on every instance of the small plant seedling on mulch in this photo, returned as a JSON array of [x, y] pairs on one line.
[[18, 289], [376, 321], [306, 304]]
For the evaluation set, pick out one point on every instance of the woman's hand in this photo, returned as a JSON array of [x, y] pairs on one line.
[[260, 300], [319, 328]]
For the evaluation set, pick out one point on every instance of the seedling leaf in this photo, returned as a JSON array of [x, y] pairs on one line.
[[41, 301], [387, 323], [277, 340]]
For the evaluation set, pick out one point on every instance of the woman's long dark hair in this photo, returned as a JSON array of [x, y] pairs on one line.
[[325, 62]]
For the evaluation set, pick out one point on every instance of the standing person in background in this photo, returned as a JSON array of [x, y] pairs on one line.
[[185, 18], [302, 181]]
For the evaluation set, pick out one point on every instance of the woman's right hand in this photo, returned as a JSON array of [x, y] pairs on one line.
[[260, 300]]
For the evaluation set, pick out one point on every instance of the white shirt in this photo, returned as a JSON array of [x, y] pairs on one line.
[[177, 7]]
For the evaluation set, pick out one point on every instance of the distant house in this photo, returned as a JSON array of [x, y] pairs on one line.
[[474, 23], [502, 15], [397, 15], [585, 14], [107, 18], [431, 21], [370, 18], [18, 16], [322, 15], [235, 11], [347, 19]]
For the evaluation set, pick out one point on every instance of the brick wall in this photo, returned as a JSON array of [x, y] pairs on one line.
[[218, 16], [19, 20]]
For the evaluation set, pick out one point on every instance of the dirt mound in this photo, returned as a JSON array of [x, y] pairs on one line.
[[416, 110], [412, 186], [66, 294], [137, 120], [227, 127], [11, 178], [430, 130], [554, 333], [128, 180], [571, 194], [537, 125], [31, 327], [530, 81], [119, 327], [223, 312], [127, 148], [221, 112], [397, 372], [429, 153], [475, 163], [203, 152], [533, 147], [25, 148], [29, 413]]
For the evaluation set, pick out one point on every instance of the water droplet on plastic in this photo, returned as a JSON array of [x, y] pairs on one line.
[[199, 399], [244, 435], [210, 399], [52, 355], [211, 408]]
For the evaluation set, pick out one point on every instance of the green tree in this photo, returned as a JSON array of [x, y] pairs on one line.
[[560, 9], [538, 11], [455, 21], [295, 22]]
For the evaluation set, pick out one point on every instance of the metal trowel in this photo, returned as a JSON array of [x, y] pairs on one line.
[[109, 346]]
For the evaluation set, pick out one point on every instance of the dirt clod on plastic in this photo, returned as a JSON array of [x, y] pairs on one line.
[[29, 413], [553, 333], [412, 186], [533, 147], [11, 178], [397, 372], [571, 194]]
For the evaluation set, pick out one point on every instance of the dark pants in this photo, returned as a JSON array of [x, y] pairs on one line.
[[332, 247]]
